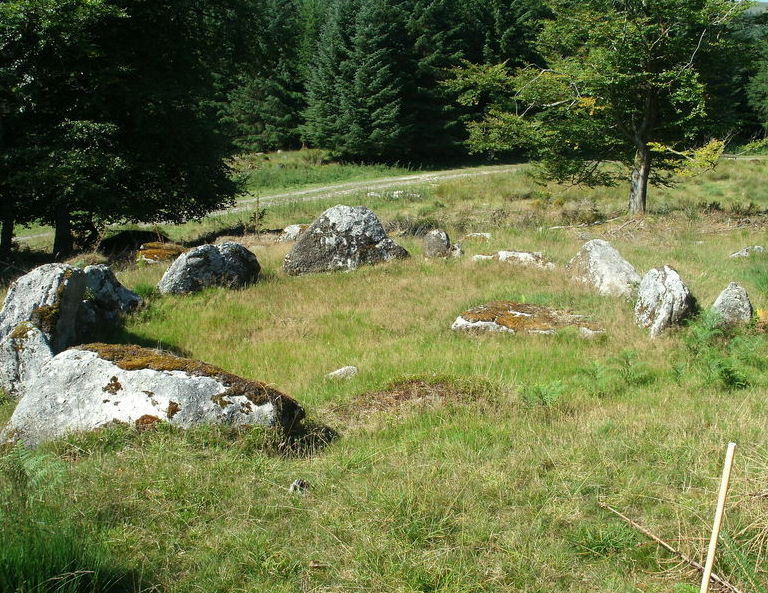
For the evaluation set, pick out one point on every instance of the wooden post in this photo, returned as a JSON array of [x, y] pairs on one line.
[[724, 482]]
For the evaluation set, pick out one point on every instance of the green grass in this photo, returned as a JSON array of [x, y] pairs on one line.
[[464, 463], [264, 174]]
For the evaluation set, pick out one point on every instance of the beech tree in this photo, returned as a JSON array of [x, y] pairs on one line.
[[623, 82]]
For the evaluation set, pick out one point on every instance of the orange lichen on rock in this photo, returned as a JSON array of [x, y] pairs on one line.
[[526, 318], [131, 358], [156, 252]]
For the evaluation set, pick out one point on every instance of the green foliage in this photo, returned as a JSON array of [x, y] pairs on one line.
[[543, 394], [619, 78], [45, 551], [605, 540]]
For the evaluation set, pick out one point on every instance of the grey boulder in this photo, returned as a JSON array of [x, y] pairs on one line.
[[342, 238], [663, 300], [598, 263], [437, 244], [228, 264], [89, 387], [733, 305], [23, 353], [106, 302]]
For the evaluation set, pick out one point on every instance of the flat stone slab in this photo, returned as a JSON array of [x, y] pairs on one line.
[[534, 259], [92, 386], [523, 318]]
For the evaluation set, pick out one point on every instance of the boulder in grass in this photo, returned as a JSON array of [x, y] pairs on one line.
[[437, 244], [89, 387], [520, 318], [156, 252], [533, 259], [228, 264], [342, 238], [747, 251], [598, 263], [733, 305], [49, 297], [23, 354], [663, 300]]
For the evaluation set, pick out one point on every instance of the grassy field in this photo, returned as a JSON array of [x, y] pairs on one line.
[[463, 464]]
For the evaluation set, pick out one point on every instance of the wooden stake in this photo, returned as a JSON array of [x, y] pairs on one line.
[[724, 483], [690, 561]]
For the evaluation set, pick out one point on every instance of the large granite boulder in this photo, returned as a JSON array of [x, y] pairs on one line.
[[49, 297], [89, 387], [733, 305], [437, 244], [598, 263], [53, 307], [663, 300], [227, 264], [342, 238], [23, 354], [523, 318]]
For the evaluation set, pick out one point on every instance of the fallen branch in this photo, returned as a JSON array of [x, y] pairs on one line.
[[690, 561]]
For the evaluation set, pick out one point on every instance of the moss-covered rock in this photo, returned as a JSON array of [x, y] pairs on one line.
[[523, 318]]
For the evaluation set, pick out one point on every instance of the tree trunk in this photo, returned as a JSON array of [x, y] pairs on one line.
[[63, 241], [638, 188], [6, 236]]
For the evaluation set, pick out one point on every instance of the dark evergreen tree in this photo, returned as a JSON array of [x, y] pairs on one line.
[[109, 110]]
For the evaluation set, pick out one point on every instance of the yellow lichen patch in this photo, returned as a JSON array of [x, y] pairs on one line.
[[157, 251], [524, 317], [21, 331], [131, 358], [46, 317]]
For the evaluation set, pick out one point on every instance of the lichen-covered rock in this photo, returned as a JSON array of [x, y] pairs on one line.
[[156, 252], [92, 386], [227, 264], [292, 232], [106, 302], [49, 297], [747, 251], [511, 317], [733, 305], [342, 238], [437, 244], [23, 353], [600, 264], [663, 300], [533, 259]]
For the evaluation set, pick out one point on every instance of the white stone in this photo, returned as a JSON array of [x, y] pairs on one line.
[[747, 251], [77, 390], [663, 300], [50, 296], [346, 372], [292, 232], [598, 263], [23, 353]]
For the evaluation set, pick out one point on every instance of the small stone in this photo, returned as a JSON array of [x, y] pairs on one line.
[[478, 236], [747, 251], [733, 305], [437, 244], [456, 250], [343, 373], [299, 486], [292, 232]]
